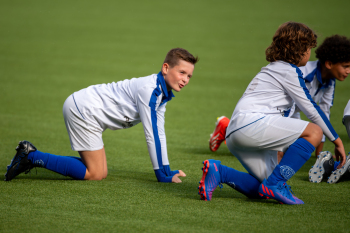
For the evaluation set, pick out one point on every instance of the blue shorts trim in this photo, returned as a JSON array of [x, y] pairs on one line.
[[244, 126], [77, 107]]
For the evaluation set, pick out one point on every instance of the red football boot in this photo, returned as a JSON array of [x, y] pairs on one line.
[[218, 136]]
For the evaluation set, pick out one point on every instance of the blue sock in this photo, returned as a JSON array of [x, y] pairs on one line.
[[241, 181], [64, 165], [294, 158]]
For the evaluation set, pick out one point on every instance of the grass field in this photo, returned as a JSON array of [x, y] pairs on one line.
[[49, 49]]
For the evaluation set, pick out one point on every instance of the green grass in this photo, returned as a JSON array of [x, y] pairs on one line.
[[49, 49]]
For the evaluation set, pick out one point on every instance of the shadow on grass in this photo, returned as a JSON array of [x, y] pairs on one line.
[[189, 190]]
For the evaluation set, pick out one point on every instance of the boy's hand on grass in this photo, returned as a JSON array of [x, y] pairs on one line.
[[176, 178], [167, 176]]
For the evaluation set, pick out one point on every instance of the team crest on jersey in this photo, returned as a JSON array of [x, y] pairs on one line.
[[286, 172]]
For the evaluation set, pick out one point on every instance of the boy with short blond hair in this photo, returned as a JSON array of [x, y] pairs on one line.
[[90, 111]]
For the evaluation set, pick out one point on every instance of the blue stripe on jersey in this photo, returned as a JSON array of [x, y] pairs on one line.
[[77, 107], [244, 126], [333, 91], [168, 95], [286, 112], [320, 112], [152, 104], [310, 76], [317, 73]]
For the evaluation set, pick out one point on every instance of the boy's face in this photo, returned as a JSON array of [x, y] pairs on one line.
[[306, 58], [177, 77], [338, 70]]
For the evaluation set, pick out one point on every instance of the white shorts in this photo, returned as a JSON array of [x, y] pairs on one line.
[[256, 144], [296, 115], [83, 134]]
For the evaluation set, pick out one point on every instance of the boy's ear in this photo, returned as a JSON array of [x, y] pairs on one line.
[[328, 64], [165, 68]]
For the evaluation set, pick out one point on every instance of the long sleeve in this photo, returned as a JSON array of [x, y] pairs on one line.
[[152, 118], [297, 90]]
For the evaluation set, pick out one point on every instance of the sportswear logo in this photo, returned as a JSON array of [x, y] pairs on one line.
[[286, 172], [39, 162], [216, 169], [267, 191]]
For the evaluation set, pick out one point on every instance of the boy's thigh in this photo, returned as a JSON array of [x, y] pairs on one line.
[[258, 163], [270, 133], [256, 145], [83, 136]]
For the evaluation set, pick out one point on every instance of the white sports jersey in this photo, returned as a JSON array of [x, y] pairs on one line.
[[321, 92], [127, 103], [274, 90]]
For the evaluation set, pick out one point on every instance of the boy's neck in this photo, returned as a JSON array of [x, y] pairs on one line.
[[325, 73], [167, 86]]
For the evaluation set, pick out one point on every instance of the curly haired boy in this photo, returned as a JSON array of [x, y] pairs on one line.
[[261, 126]]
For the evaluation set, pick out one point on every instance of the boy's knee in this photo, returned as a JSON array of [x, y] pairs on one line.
[[313, 134], [318, 133], [94, 176]]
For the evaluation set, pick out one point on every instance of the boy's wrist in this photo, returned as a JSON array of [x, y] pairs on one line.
[[162, 177]]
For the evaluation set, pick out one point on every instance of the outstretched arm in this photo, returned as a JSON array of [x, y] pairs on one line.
[[301, 96], [152, 118]]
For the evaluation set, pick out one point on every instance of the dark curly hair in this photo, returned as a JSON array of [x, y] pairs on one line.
[[290, 43], [335, 49]]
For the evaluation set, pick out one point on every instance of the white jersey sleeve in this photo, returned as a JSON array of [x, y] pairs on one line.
[[321, 91], [151, 107], [297, 90]]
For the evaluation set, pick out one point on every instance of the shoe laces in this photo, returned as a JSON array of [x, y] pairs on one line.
[[286, 188]]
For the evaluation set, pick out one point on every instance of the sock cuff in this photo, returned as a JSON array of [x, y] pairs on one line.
[[304, 145], [32, 154]]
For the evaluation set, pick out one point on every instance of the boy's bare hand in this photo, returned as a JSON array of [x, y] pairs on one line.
[[176, 178]]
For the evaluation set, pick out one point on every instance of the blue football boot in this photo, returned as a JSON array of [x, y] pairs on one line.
[[20, 163], [210, 179], [280, 192]]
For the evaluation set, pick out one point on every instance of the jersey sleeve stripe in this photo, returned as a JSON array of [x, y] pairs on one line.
[[320, 112], [152, 104]]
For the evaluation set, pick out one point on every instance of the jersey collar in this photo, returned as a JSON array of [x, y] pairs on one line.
[[317, 72], [168, 94]]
